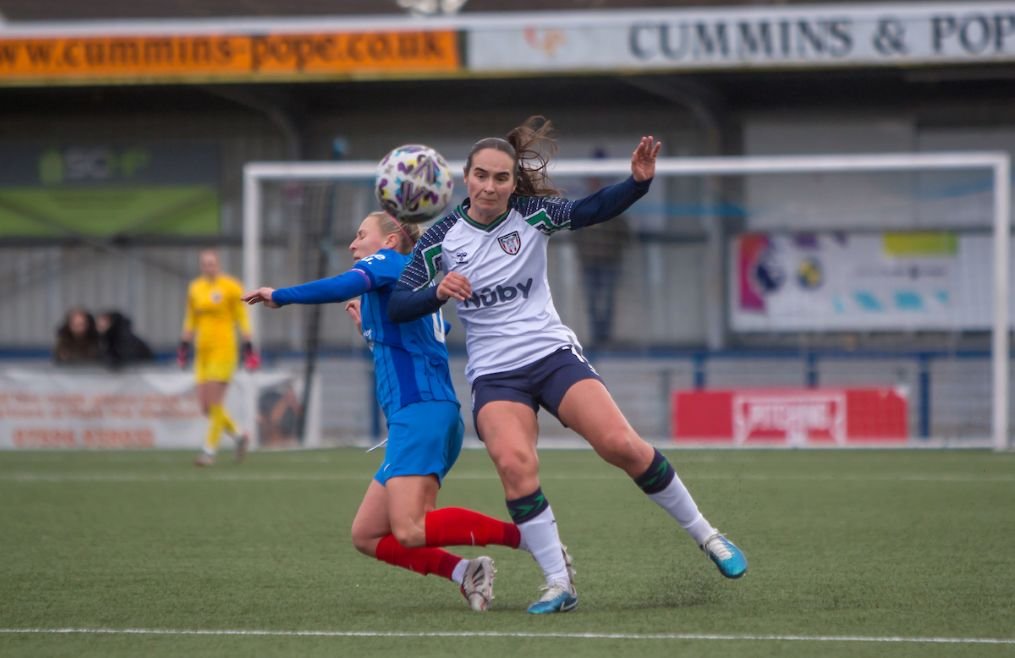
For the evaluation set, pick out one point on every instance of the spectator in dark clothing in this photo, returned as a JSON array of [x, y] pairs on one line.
[[601, 252], [77, 339], [118, 344]]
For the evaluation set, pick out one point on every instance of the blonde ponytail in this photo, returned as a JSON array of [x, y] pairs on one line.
[[408, 234]]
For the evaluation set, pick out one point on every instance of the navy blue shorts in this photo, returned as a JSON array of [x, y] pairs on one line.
[[539, 384]]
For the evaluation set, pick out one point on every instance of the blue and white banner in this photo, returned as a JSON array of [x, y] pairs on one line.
[[868, 281]]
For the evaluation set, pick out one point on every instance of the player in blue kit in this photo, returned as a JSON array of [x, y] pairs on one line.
[[397, 521], [492, 253]]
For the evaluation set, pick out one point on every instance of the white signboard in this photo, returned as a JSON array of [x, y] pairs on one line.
[[95, 409], [868, 281], [745, 37]]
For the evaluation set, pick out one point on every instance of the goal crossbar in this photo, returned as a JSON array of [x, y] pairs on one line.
[[997, 162]]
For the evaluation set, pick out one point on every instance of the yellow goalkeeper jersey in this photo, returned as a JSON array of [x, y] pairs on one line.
[[214, 312]]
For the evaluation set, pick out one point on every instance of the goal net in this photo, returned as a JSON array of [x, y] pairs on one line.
[[812, 300]]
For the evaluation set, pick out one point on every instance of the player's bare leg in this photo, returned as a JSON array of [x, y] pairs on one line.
[[589, 409], [509, 431], [408, 501]]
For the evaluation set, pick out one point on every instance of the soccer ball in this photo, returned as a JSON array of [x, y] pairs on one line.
[[413, 183]]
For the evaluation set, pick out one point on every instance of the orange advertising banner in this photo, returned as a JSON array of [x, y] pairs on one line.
[[247, 58]]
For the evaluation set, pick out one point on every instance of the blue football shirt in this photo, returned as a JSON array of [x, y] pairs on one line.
[[410, 358]]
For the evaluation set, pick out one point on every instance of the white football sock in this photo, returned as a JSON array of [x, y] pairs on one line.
[[539, 536], [677, 501]]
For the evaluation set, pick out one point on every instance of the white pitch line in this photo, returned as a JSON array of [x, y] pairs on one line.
[[334, 477], [508, 634]]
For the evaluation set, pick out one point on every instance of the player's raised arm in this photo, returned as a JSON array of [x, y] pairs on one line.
[[643, 159], [606, 203]]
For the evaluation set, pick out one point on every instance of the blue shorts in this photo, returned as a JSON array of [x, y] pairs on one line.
[[539, 384], [423, 439]]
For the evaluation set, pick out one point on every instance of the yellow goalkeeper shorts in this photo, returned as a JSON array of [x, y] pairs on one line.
[[214, 365]]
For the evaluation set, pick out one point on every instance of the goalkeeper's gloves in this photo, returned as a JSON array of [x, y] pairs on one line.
[[251, 360], [183, 353]]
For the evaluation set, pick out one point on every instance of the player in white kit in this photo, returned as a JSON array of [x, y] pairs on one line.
[[492, 253]]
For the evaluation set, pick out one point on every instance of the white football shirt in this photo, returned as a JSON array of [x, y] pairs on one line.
[[510, 320]]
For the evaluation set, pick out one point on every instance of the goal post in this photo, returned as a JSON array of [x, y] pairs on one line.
[[256, 174]]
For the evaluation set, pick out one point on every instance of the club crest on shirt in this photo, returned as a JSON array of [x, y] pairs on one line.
[[510, 243], [216, 296]]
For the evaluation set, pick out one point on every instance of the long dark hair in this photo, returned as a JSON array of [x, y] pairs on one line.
[[531, 146], [77, 348]]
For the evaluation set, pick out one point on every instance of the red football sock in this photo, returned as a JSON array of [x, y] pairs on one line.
[[457, 526], [421, 560]]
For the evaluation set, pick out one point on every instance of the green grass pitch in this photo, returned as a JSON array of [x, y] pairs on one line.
[[861, 553]]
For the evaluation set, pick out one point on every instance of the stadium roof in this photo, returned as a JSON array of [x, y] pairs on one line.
[[62, 10]]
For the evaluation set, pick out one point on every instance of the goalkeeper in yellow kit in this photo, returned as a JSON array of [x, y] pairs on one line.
[[213, 315]]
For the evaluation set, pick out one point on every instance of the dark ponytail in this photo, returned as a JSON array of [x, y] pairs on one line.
[[531, 146]]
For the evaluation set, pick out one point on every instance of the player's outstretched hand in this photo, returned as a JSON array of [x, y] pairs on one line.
[[353, 309], [251, 359], [643, 160], [262, 295], [183, 354]]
